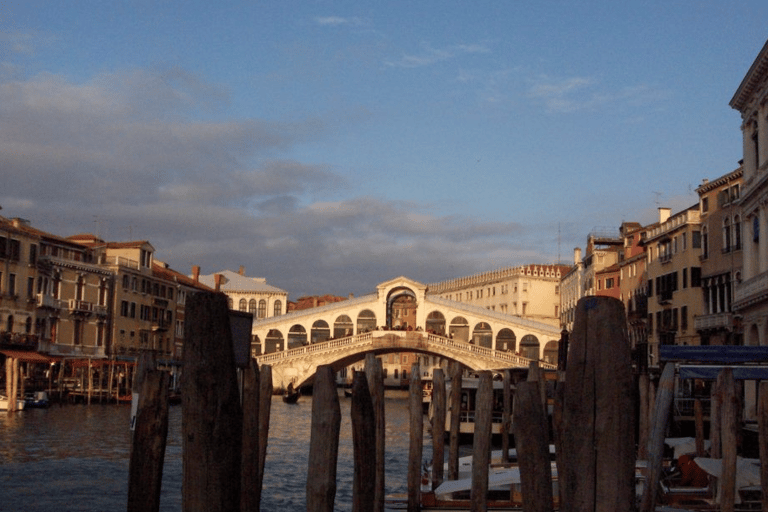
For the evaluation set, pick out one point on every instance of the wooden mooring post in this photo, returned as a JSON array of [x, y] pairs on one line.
[[530, 421], [323, 442], [211, 412], [416, 443], [596, 464], [375, 375], [728, 438], [250, 485], [456, 371], [265, 410], [481, 445], [438, 426], [762, 425], [506, 416], [659, 423], [364, 445], [145, 471]]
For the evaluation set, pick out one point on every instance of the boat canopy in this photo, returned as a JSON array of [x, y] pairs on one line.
[[714, 354], [710, 372]]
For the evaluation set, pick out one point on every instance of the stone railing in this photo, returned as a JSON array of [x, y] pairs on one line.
[[714, 321], [751, 290]]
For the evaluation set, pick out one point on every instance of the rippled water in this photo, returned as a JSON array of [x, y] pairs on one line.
[[75, 457]]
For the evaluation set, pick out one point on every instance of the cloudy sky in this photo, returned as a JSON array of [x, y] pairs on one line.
[[329, 146]]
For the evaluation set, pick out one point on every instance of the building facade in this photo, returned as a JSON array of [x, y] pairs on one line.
[[673, 248], [251, 294], [529, 291], [721, 258], [751, 293]]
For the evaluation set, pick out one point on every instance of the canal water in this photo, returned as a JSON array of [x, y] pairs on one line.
[[75, 457]]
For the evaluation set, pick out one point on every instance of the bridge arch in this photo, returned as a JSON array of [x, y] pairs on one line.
[[297, 336], [320, 331], [506, 340], [366, 321], [343, 326], [436, 323], [482, 335], [274, 340], [529, 347]]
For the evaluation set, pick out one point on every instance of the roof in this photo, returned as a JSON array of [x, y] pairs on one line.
[[757, 74], [234, 282], [164, 272]]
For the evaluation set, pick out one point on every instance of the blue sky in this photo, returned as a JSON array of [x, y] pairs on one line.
[[329, 146]]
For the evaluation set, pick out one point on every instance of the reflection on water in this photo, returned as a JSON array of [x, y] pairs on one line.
[[75, 458]]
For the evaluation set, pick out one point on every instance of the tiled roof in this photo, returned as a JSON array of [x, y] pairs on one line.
[[234, 282], [169, 274]]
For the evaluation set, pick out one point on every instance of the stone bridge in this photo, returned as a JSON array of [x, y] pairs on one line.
[[298, 365], [401, 316]]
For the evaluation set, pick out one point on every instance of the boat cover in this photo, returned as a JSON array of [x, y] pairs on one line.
[[710, 372], [713, 354]]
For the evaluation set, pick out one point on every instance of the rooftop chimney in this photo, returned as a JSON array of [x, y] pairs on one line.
[[242, 270], [576, 255], [217, 280], [663, 215], [196, 273]]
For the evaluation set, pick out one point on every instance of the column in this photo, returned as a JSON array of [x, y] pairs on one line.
[[762, 249]]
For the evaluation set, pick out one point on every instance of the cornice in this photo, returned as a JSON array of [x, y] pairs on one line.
[[752, 80]]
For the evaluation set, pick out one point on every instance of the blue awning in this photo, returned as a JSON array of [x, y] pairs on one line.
[[714, 354], [710, 372]]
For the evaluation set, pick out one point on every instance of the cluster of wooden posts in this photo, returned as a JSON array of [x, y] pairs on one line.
[[225, 426]]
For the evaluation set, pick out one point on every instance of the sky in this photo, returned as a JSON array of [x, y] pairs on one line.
[[331, 146]]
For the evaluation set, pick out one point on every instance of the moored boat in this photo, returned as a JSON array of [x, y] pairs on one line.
[[20, 403]]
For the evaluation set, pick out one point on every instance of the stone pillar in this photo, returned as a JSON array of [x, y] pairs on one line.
[[762, 249]]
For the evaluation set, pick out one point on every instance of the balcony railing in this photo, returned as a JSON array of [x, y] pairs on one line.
[[751, 290], [80, 306], [714, 321], [49, 301]]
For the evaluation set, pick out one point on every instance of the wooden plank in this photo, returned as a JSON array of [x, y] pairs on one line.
[[145, 469], [644, 416], [375, 376], [211, 412], [698, 417], [416, 442], [250, 486], [323, 442], [530, 420], [481, 445], [364, 445], [438, 426]]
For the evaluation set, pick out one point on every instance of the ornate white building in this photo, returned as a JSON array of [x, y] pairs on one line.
[[251, 294]]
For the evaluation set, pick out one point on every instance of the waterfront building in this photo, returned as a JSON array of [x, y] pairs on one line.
[[582, 279], [19, 249], [751, 292], [673, 247], [529, 291], [721, 258], [251, 294]]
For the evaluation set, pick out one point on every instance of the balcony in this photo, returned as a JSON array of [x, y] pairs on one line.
[[664, 297], [714, 321], [48, 301], [80, 306], [751, 291]]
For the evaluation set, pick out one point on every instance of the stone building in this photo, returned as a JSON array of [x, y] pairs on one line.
[[673, 248], [721, 258], [529, 291], [250, 294], [751, 292]]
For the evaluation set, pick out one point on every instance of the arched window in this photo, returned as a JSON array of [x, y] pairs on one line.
[[737, 233], [278, 309], [252, 306], [230, 303], [243, 305], [262, 308], [726, 235], [704, 242]]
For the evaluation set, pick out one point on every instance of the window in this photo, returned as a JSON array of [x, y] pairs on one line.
[[252, 306], [124, 308], [30, 287], [695, 277], [243, 305], [14, 250], [726, 235], [704, 204], [262, 308], [33, 254], [12, 284], [608, 283], [736, 233], [278, 308], [755, 229], [685, 278], [146, 258], [126, 282], [133, 310], [684, 318]]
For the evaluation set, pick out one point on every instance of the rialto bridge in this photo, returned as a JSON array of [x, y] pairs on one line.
[[399, 317]]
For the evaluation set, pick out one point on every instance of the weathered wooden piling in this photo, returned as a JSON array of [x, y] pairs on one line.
[[323, 442], [375, 376], [364, 444], [265, 409], [211, 412], [698, 418], [481, 446], [250, 485], [506, 416], [762, 425], [145, 471], [728, 438], [643, 416], [416, 443], [438, 426], [598, 457], [455, 370], [715, 418], [664, 396], [530, 420]]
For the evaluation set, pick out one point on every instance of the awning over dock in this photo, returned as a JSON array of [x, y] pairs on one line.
[[30, 356]]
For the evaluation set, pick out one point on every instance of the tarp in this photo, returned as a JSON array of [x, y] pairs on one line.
[[710, 372], [29, 356], [714, 354]]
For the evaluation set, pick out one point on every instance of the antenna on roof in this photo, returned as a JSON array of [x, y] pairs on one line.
[[658, 195]]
